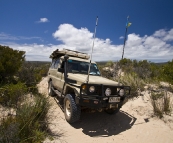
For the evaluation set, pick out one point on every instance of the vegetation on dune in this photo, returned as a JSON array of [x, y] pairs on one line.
[[18, 91], [10, 62], [29, 122], [167, 72], [161, 103], [11, 95], [138, 74], [31, 73], [147, 71]]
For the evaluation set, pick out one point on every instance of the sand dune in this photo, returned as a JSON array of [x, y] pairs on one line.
[[134, 124]]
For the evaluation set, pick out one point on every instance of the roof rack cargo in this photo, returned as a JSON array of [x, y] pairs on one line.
[[58, 53]]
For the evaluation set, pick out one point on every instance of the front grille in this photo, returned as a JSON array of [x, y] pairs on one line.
[[100, 90], [113, 89]]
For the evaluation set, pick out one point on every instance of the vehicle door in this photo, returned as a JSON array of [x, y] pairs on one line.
[[59, 75], [51, 72]]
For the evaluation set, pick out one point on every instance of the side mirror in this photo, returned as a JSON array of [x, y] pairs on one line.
[[61, 70]]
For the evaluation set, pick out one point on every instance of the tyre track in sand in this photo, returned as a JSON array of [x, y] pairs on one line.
[[132, 124]]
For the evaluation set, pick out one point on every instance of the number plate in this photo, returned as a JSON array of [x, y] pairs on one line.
[[114, 99]]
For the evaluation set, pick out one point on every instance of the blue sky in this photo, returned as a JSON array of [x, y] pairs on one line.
[[41, 26]]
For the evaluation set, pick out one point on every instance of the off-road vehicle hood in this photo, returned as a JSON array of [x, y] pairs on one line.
[[81, 78]]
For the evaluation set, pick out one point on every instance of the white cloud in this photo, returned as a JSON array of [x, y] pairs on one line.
[[122, 37], [72, 36], [164, 34], [137, 47], [4, 36], [149, 47], [169, 36], [43, 20], [160, 33], [7, 37], [154, 47], [36, 52]]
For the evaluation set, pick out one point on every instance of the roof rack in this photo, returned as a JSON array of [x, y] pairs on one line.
[[68, 52]]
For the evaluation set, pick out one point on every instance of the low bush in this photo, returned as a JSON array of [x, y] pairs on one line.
[[167, 72], [31, 74], [8, 130], [30, 123], [136, 84], [10, 62], [12, 94], [161, 103], [27, 74]]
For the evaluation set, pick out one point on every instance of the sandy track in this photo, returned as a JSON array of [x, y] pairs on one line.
[[132, 124]]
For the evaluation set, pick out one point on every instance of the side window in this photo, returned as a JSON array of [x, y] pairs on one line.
[[56, 64], [53, 63]]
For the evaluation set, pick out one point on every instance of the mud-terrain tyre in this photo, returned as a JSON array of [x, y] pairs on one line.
[[112, 111], [72, 111], [50, 90]]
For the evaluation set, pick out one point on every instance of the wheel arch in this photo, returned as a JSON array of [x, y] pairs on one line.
[[69, 90], [50, 79]]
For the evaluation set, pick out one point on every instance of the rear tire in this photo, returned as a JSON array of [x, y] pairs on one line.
[[112, 111], [50, 90], [72, 111]]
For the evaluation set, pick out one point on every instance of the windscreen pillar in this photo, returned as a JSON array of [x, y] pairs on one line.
[[65, 69]]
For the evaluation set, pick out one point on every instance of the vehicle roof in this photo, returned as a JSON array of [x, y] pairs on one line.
[[71, 53], [79, 59]]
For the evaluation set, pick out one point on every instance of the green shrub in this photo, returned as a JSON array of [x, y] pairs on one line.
[[156, 96], [110, 64], [161, 103], [9, 130], [167, 72], [12, 94], [136, 84], [32, 119], [31, 123], [31, 73], [10, 62], [27, 74]]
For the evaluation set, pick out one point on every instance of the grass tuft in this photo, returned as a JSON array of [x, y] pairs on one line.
[[30, 123], [136, 84], [161, 103]]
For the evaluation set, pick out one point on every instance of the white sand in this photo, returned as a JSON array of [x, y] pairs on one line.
[[133, 124]]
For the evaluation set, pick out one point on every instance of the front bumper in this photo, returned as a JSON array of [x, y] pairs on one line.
[[98, 103], [98, 99]]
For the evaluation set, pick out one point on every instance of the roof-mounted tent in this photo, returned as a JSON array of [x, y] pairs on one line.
[[68, 52]]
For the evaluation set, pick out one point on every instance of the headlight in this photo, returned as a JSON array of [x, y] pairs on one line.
[[83, 87], [108, 91], [121, 92], [92, 89]]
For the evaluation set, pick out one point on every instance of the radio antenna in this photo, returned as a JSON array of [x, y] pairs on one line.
[[92, 50]]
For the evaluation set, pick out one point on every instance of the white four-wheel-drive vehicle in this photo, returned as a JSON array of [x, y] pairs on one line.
[[77, 83]]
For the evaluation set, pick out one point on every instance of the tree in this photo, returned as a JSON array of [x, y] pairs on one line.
[[167, 72], [10, 62], [110, 64]]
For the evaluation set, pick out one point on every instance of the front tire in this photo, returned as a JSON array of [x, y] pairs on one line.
[[71, 110], [112, 111]]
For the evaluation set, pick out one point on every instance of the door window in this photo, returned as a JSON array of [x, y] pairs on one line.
[[56, 64]]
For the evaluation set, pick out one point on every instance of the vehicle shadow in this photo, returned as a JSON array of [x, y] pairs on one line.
[[103, 124]]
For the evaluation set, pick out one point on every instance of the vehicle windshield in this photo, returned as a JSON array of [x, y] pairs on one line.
[[82, 67]]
